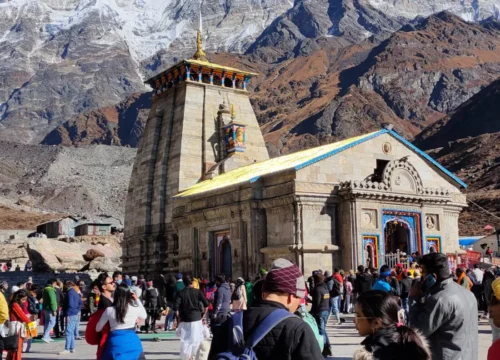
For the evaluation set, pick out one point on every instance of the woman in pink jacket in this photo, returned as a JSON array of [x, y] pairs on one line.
[[239, 297]]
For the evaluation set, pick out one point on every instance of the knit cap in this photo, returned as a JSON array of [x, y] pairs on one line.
[[284, 276]]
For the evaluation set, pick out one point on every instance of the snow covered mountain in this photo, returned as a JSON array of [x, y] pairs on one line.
[[61, 58], [469, 10], [148, 26]]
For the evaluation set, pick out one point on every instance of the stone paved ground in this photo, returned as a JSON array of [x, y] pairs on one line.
[[344, 339]]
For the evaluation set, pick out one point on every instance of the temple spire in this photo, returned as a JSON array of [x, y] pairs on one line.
[[200, 54]]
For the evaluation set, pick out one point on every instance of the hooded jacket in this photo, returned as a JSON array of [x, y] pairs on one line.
[[363, 283], [448, 317], [320, 299], [73, 303], [223, 299], [291, 339], [49, 299], [385, 344]]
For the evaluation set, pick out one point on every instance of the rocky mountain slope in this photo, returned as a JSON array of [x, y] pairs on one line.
[[72, 73], [65, 58], [16, 217], [468, 142], [122, 124], [416, 76], [90, 180]]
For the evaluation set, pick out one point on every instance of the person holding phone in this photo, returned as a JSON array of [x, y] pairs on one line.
[[445, 312], [122, 317]]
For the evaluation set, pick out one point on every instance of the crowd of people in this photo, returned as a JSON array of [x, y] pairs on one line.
[[56, 305], [424, 312]]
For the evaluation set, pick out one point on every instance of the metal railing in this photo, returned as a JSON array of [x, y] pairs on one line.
[[392, 259]]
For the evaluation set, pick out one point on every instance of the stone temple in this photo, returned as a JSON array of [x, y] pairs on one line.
[[204, 196]]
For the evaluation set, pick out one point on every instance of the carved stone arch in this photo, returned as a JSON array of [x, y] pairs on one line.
[[401, 175]]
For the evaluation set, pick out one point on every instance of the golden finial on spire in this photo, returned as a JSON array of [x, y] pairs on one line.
[[200, 53]]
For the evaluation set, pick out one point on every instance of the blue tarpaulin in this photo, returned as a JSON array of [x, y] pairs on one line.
[[468, 241]]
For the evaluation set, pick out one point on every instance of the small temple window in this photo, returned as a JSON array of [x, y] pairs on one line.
[[217, 80], [205, 78], [228, 82], [379, 170]]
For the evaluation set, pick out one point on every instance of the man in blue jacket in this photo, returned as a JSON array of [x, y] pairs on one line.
[[222, 302], [72, 308]]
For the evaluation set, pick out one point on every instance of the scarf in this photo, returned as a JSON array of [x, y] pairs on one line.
[[461, 278]]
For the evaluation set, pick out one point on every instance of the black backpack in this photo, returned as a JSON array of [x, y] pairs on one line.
[[337, 289]]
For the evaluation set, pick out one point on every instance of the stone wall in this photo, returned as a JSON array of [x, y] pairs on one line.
[[15, 277], [17, 234], [360, 161]]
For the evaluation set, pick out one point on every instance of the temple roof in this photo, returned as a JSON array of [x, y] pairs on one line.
[[297, 161], [208, 64], [199, 61], [201, 64]]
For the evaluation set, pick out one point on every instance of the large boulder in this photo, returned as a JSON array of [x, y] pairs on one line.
[[72, 255], [16, 253], [105, 264]]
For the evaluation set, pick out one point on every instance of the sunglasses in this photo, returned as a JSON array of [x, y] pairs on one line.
[[111, 283]]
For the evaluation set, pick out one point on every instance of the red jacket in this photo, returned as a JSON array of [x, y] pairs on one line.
[[494, 351], [338, 277], [95, 338]]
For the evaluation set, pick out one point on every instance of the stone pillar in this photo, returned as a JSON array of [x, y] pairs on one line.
[[449, 228], [245, 83]]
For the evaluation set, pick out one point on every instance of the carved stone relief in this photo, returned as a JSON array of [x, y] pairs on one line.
[[403, 181], [387, 148], [432, 222], [369, 218]]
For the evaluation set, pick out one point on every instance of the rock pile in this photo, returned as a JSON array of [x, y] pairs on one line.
[[17, 253], [90, 181]]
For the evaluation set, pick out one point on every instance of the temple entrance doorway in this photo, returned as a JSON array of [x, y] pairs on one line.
[[221, 254], [397, 237], [226, 258]]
